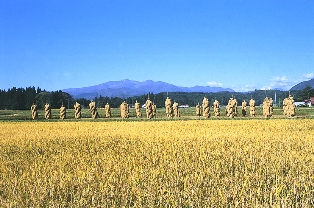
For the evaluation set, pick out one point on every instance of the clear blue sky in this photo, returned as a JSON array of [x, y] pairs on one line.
[[243, 45]]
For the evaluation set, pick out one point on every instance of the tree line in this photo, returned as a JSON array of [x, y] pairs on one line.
[[20, 98], [193, 98]]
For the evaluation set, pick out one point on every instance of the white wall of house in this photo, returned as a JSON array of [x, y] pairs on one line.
[[299, 103]]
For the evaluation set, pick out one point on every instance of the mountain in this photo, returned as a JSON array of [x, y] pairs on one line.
[[128, 88], [303, 85]]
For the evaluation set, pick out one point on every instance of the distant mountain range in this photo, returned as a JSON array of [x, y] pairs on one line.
[[303, 85], [129, 88]]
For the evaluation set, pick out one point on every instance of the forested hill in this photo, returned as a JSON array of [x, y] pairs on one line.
[[303, 85]]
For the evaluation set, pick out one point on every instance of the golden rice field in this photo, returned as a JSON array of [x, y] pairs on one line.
[[193, 163]]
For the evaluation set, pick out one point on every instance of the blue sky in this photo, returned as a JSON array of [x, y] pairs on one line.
[[243, 45]]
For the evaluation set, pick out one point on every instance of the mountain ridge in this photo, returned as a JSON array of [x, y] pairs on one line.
[[128, 88], [303, 85]]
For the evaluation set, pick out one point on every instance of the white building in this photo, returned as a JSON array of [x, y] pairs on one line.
[[184, 106], [299, 103]]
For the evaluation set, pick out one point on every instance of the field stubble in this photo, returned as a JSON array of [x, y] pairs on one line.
[[195, 163]]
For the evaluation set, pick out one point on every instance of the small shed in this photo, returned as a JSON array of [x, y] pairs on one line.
[[310, 101]]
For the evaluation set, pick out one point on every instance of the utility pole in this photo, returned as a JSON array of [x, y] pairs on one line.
[[275, 98]]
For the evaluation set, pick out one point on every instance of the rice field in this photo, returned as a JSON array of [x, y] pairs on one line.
[[176, 163]]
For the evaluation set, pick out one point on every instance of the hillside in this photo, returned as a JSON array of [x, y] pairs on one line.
[[303, 85], [128, 88]]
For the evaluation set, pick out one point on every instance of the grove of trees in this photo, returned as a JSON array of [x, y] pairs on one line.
[[20, 98]]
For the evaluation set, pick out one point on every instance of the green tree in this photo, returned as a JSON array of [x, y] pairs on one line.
[[305, 94], [30, 96], [42, 98]]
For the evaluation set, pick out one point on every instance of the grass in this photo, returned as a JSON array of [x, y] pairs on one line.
[[186, 114]]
